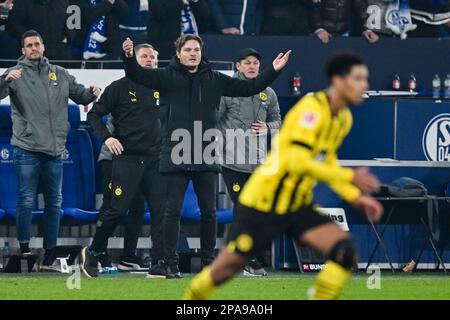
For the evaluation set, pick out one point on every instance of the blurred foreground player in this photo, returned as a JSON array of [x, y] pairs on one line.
[[278, 197]]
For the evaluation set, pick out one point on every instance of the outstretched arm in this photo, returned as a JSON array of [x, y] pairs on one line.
[[152, 78], [234, 87], [79, 93]]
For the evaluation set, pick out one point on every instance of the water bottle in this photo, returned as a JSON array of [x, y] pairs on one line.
[[447, 86], [436, 84], [396, 82], [412, 83], [23, 264], [109, 271], [296, 84]]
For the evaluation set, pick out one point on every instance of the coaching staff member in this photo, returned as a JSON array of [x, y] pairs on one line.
[[260, 114], [40, 93], [193, 91], [136, 146]]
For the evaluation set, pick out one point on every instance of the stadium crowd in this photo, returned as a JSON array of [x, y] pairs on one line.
[[104, 24]]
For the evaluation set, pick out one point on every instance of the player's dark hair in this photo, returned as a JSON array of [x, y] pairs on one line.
[[28, 34], [181, 41], [145, 45], [341, 64]]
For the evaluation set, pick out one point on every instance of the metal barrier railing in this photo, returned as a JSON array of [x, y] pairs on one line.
[[111, 64]]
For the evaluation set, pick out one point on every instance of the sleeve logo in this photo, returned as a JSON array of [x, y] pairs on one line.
[[309, 119], [52, 76], [263, 96]]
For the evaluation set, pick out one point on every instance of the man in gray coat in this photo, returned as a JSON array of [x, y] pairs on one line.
[[39, 93], [245, 124]]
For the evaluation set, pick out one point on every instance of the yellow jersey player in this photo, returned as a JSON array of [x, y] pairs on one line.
[[278, 196]]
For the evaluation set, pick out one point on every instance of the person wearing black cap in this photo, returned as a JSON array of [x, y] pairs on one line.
[[251, 119]]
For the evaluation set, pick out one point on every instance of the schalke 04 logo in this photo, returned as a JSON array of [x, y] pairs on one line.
[[436, 138], [4, 153]]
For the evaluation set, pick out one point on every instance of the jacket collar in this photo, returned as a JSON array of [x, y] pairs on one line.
[[205, 65], [25, 62], [239, 75]]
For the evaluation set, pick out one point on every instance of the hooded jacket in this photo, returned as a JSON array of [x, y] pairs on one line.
[[241, 113], [39, 100], [193, 102], [335, 15]]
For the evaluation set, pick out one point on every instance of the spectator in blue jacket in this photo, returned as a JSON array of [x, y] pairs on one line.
[[237, 17]]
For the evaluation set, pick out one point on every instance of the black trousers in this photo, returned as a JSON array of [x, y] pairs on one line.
[[235, 181], [130, 176], [133, 221], [205, 187]]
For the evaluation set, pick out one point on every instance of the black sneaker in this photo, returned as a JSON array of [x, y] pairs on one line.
[[172, 272], [157, 271], [132, 263], [88, 263], [47, 261], [254, 269], [49, 257], [25, 249], [104, 260]]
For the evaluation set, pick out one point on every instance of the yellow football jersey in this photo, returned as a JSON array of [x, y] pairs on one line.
[[303, 153]]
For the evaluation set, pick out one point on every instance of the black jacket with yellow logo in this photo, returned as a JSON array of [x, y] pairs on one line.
[[136, 111]]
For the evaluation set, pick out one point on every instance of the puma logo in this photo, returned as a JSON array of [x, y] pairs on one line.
[[133, 96]]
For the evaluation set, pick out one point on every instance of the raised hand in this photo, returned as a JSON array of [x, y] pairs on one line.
[[14, 75], [281, 60], [127, 47]]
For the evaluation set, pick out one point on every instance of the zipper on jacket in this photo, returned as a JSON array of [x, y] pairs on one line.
[[47, 88], [257, 113]]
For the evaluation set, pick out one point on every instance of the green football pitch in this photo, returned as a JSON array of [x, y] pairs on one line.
[[278, 285]]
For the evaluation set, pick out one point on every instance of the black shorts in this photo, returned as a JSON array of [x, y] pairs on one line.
[[253, 231]]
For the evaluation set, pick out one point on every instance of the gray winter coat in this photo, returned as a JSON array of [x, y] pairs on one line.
[[240, 113], [39, 102]]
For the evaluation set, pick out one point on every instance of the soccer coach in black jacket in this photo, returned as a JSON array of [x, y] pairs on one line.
[[193, 91]]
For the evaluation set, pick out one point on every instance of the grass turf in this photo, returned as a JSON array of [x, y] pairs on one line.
[[278, 285]]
